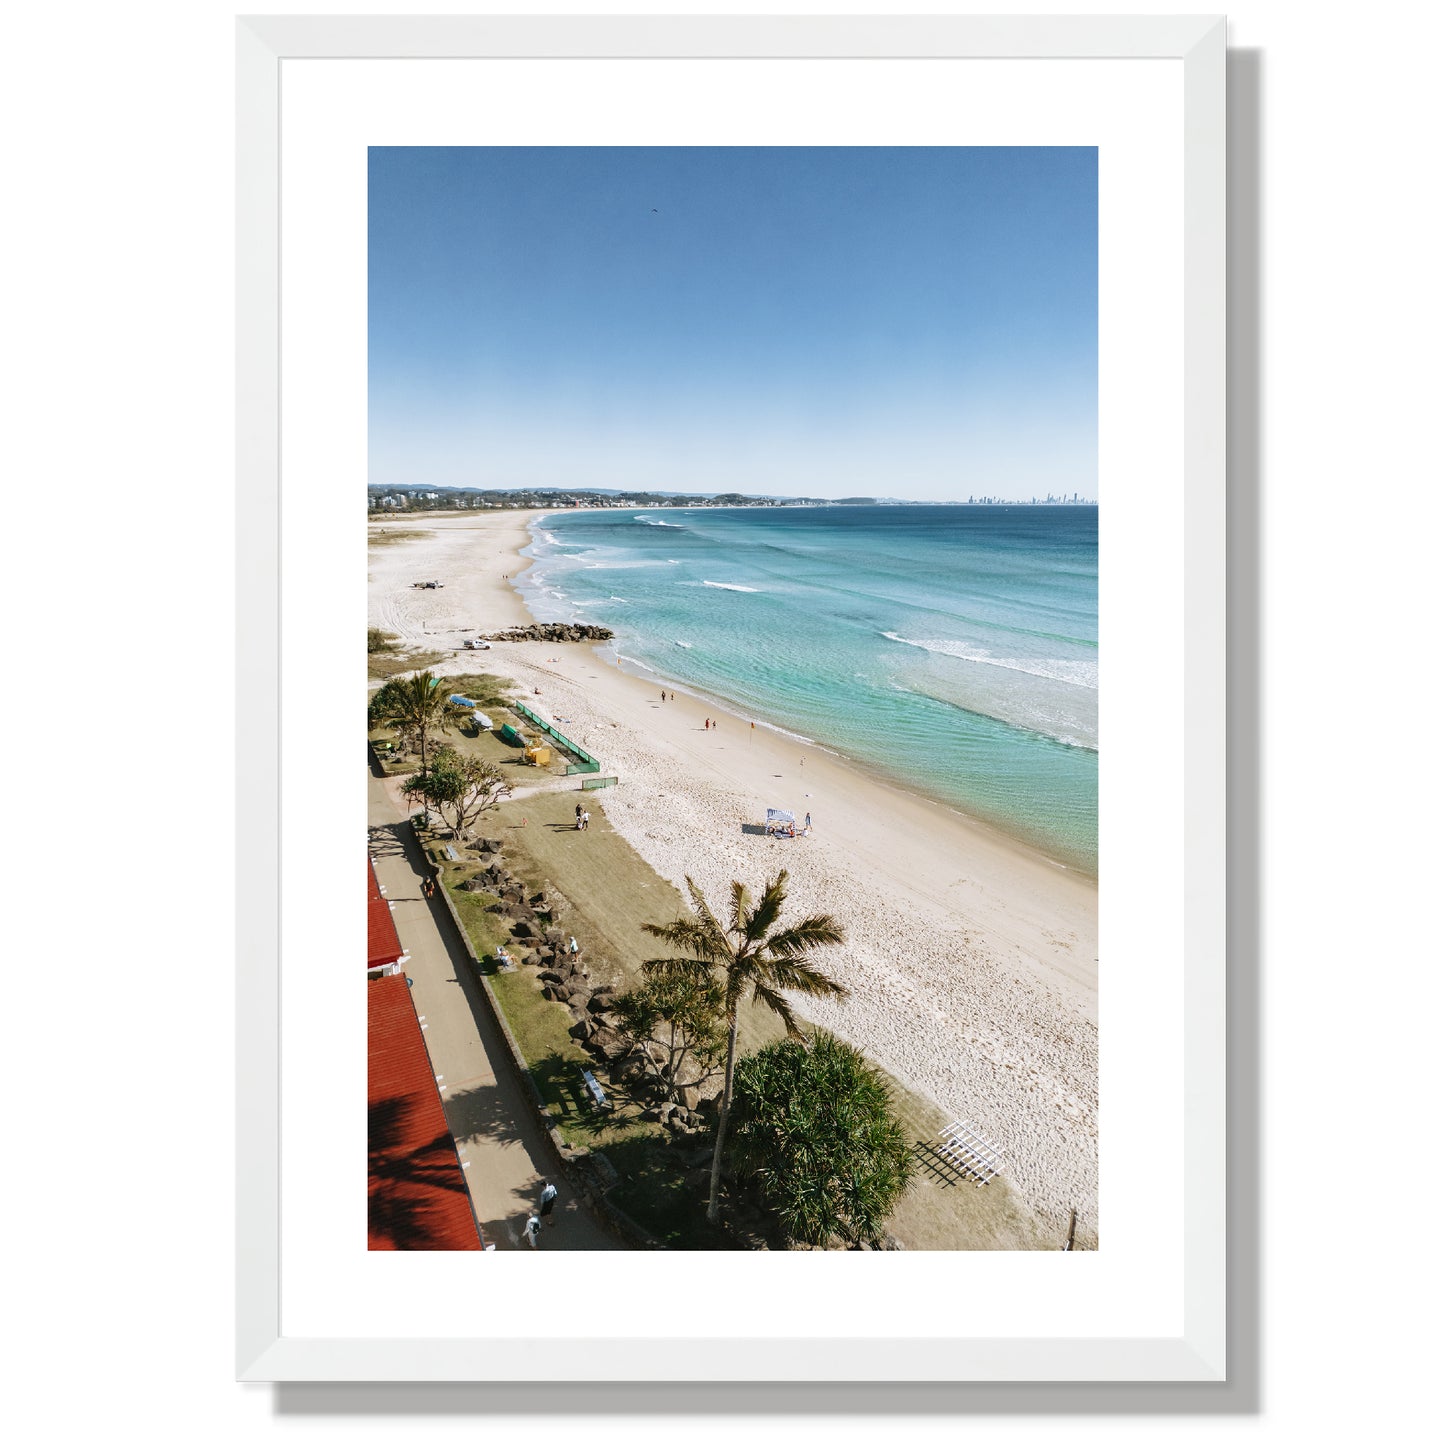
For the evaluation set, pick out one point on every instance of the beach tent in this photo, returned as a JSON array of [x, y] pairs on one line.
[[461, 701], [778, 820]]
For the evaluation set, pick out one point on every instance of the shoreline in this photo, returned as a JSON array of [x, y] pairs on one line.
[[636, 668], [971, 957]]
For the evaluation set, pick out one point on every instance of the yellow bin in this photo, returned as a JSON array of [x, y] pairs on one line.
[[539, 756]]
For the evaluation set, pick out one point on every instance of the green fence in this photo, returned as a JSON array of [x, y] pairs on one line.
[[584, 761], [589, 784]]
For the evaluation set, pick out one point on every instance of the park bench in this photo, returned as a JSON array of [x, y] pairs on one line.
[[599, 1097], [452, 853]]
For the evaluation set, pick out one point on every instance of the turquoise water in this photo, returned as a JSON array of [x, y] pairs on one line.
[[953, 650]]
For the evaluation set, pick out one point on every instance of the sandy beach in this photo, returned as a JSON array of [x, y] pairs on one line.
[[971, 959]]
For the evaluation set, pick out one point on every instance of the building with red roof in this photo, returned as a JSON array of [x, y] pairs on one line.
[[417, 1196], [383, 948]]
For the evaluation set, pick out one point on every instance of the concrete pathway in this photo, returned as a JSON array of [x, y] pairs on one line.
[[494, 1121]]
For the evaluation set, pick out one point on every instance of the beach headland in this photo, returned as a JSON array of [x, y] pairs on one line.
[[971, 959]]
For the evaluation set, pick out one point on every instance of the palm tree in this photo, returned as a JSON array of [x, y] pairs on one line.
[[753, 959], [416, 706]]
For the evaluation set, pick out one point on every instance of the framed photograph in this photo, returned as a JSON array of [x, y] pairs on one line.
[[792, 569]]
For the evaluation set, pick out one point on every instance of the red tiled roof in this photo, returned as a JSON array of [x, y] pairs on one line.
[[382, 944], [417, 1196]]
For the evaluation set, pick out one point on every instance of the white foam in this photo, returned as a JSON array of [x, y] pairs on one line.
[[1074, 671], [730, 586], [680, 643]]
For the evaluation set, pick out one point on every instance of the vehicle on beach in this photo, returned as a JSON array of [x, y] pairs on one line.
[[429, 586], [477, 644]]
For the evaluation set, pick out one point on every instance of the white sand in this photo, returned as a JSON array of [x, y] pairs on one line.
[[971, 960]]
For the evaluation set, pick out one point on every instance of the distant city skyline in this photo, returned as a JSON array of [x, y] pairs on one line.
[[916, 323]]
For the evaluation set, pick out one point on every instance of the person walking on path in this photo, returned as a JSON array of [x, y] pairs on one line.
[[549, 1198], [534, 1228], [579, 812]]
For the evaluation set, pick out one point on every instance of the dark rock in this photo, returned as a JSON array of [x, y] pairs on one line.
[[577, 999], [610, 1042], [599, 1003], [553, 632], [582, 1029], [550, 976]]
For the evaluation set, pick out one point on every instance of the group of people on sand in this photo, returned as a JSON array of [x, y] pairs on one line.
[[583, 818], [669, 696]]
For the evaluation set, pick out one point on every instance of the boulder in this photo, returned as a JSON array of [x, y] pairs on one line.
[[599, 1003], [582, 1029], [690, 1097], [489, 845], [549, 975], [578, 1000], [609, 1041]]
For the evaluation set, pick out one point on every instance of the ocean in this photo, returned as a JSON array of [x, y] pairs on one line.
[[952, 650]]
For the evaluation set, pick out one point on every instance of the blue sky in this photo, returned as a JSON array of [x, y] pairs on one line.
[[917, 323]]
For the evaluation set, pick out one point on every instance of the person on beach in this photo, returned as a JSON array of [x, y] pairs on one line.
[[572, 948], [807, 821], [586, 821], [533, 1229], [579, 812], [549, 1198], [664, 697], [672, 697]]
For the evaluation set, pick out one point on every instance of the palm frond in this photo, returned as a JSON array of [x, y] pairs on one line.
[[742, 902], [803, 978], [675, 967], [770, 905], [804, 936], [773, 1000]]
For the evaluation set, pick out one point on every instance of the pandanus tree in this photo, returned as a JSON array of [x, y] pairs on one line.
[[814, 1130], [416, 707], [753, 957]]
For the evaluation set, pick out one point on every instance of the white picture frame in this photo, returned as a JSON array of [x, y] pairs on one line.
[[1193, 1346]]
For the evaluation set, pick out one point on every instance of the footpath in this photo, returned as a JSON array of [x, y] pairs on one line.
[[503, 1147]]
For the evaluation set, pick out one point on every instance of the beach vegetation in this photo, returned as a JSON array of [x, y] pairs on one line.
[[415, 708], [815, 1132], [386, 665], [676, 1023], [753, 957], [460, 788], [378, 639]]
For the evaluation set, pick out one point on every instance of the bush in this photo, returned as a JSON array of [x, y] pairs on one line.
[[813, 1130]]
